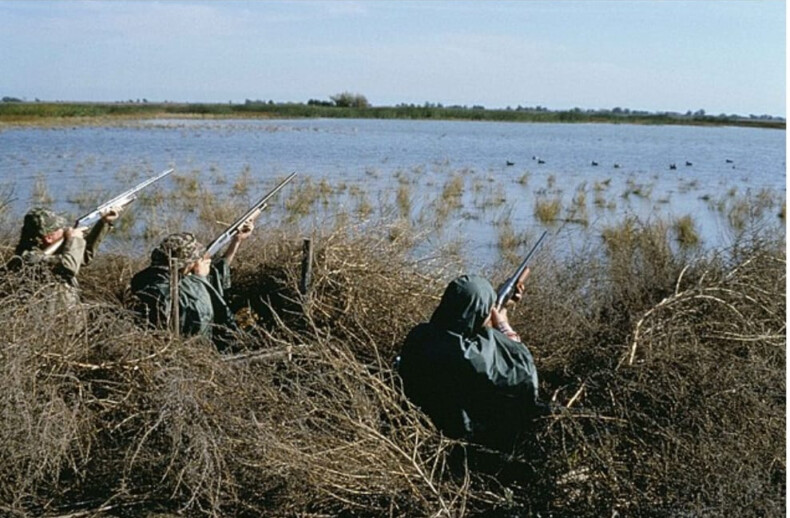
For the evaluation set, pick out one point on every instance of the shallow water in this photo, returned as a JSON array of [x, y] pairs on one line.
[[500, 170]]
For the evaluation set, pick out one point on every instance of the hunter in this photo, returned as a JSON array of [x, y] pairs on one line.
[[202, 285], [468, 369], [38, 256]]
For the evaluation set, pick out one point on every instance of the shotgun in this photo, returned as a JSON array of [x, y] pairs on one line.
[[507, 290], [253, 212], [120, 201]]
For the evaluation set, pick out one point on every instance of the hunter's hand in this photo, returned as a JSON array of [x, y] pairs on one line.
[[202, 266], [498, 317], [518, 291], [111, 214], [245, 231]]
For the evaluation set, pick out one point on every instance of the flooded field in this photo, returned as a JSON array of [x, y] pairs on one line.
[[479, 186]]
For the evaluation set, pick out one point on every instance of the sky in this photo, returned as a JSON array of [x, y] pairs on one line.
[[721, 56]]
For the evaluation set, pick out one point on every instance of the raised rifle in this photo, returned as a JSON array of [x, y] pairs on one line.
[[254, 211], [120, 201], [507, 290]]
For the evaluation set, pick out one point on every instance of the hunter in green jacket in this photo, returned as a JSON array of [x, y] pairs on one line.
[[202, 285], [468, 370]]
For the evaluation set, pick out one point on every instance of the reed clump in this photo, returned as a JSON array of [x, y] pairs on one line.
[[507, 240], [668, 371], [547, 210], [40, 194], [242, 184], [451, 196], [301, 201], [403, 199], [686, 231]]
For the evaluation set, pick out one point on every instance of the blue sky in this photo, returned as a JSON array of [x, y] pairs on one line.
[[720, 56]]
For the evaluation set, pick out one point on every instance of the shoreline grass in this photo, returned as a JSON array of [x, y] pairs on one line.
[[13, 113]]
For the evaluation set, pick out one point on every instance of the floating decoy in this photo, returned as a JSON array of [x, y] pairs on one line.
[[728, 161], [594, 163], [508, 162], [673, 166]]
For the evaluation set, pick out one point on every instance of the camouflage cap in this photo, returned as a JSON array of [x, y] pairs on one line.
[[40, 221], [183, 247]]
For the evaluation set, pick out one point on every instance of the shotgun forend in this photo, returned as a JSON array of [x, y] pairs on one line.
[[507, 290]]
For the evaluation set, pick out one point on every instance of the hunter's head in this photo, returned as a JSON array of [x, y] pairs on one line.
[[42, 226], [466, 305], [182, 247]]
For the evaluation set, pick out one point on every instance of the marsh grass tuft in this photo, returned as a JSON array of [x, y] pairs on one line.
[[364, 207], [547, 211], [241, 186], [325, 191], [686, 231], [86, 200], [450, 198], [639, 190], [300, 202], [507, 240], [403, 200], [453, 190], [600, 201], [188, 190], [578, 209], [742, 211], [40, 194]]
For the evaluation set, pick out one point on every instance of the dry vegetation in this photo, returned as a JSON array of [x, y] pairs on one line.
[[669, 371]]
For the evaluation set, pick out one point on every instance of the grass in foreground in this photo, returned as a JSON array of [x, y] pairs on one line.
[[669, 370]]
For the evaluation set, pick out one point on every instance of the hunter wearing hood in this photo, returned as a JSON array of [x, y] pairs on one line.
[[468, 370]]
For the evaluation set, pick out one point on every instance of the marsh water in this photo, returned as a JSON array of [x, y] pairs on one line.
[[451, 180]]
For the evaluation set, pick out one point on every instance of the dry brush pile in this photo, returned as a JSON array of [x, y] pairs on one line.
[[668, 372]]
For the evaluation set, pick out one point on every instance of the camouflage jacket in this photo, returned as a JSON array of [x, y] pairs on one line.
[[61, 267], [202, 308]]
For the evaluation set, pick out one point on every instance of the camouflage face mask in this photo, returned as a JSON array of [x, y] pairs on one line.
[[40, 221], [182, 247]]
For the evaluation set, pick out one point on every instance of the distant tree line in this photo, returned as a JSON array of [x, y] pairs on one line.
[[355, 105]]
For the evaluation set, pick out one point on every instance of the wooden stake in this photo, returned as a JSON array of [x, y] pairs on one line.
[[174, 317], [307, 266]]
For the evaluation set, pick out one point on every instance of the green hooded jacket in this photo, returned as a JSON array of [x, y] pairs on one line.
[[202, 307], [471, 380]]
